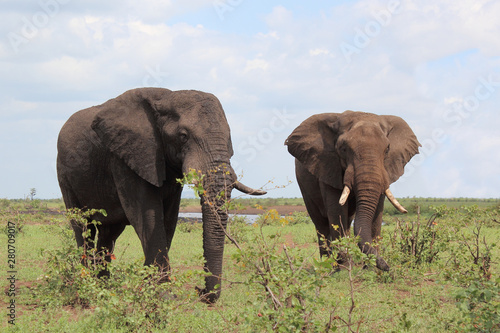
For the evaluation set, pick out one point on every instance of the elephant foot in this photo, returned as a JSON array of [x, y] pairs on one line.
[[164, 277], [103, 274], [208, 297], [382, 265]]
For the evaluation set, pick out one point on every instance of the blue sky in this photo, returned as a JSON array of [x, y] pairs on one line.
[[272, 64]]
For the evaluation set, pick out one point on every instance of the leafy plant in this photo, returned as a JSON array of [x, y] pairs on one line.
[[187, 226], [239, 228], [194, 179], [4, 203], [299, 217], [479, 304], [272, 217], [415, 243], [470, 258], [19, 220]]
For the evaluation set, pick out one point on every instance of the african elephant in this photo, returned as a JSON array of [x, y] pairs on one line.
[[344, 163], [125, 155]]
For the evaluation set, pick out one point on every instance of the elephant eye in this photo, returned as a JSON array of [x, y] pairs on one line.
[[183, 136], [387, 149]]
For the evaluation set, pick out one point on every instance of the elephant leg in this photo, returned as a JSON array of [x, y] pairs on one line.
[[377, 219], [376, 232], [317, 212], [71, 201], [171, 205], [322, 229], [78, 230], [337, 215], [143, 207], [338, 221], [310, 189], [106, 239], [85, 235]]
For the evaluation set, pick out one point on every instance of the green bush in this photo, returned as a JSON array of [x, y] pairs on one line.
[[273, 217], [4, 203], [479, 304], [299, 217], [187, 226], [238, 227], [415, 243]]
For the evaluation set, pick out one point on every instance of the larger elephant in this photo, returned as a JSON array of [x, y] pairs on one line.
[[125, 155], [344, 165]]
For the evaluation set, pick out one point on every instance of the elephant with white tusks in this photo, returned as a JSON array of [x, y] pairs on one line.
[[344, 164], [125, 155]]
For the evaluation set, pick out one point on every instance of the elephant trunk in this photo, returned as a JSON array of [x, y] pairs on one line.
[[369, 189], [218, 190]]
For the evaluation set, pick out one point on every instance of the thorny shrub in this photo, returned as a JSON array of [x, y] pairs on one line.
[[414, 243], [479, 304]]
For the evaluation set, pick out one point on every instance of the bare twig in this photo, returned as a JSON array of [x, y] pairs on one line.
[[288, 258]]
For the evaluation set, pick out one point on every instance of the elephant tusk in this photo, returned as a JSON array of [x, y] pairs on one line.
[[394, 202], [345, 195], [248, 190]]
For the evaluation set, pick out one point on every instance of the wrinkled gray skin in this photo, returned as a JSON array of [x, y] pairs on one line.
[[362, 151], [124, 156]]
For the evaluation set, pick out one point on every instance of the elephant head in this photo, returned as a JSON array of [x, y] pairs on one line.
[[158, 134], [357, 153]]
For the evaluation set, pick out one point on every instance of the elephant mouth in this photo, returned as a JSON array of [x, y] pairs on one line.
[[346, 191]]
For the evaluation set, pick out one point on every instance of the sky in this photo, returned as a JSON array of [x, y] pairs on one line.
[[272, 64]]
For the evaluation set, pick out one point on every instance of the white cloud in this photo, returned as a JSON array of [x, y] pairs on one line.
[[256, 64], [279, 17], [319, 51]]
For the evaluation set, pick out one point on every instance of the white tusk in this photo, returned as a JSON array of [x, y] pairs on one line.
[[394, 202], [345, 195]]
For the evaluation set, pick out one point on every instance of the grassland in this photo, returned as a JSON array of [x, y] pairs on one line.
[[452, 284]]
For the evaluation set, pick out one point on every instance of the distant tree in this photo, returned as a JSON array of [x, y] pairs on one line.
[[32, 193]]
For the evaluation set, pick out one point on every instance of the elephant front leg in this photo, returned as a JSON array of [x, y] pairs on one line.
[[171, 205], [337, 215], [376, 234], [106, 244], [143, 207], [154, 244], [149, 226]]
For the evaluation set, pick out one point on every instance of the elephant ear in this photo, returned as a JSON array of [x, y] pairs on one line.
[[126, 128], [313, 144], [403, 146]]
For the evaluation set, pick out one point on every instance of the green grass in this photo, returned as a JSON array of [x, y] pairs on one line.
[[412, 298]]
